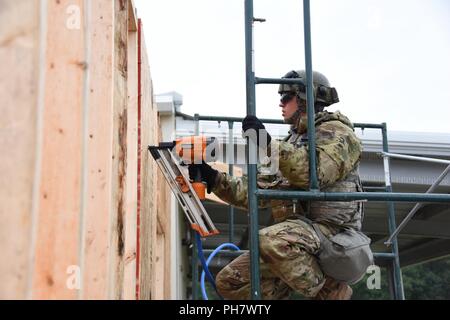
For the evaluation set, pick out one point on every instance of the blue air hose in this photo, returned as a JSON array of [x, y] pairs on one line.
[[205, 264]]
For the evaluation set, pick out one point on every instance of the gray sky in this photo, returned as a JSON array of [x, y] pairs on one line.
[[388, 59]]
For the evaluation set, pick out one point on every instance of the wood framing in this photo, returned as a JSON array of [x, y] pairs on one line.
[[99, 149], [20, 44], [119, 152], [57, 240], [147, 177], [132, 164], [77, 176], [164, 246]]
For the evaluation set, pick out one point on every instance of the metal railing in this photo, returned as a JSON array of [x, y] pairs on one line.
[[431, 189]]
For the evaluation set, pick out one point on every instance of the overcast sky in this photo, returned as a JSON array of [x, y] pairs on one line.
[[388, 59]]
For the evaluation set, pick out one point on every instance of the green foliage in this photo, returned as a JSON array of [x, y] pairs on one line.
[[428, 281], [361, 292]]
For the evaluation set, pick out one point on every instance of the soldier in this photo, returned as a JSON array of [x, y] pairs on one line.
[[290, 248]]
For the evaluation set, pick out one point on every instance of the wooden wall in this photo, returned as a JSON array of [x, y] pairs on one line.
[[154, 244], [78, 205], [20, 42]]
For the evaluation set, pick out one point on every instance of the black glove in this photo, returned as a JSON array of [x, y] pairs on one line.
[[207, 173], [252, 122]]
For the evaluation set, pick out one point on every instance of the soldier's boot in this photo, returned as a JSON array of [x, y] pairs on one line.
[[334, 290]]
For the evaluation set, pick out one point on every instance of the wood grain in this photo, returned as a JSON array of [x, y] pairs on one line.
[[19, 90]]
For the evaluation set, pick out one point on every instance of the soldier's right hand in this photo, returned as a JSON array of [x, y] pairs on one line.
[[208, 174]]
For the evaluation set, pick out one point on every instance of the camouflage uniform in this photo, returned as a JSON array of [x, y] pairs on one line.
[[288, 248]]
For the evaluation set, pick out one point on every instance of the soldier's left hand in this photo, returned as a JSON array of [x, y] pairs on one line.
[[252, 122]]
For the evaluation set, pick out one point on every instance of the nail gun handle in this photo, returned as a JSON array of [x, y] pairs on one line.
[[198, 173], [198, 184]]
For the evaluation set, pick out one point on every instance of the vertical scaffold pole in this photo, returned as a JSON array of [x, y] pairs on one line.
[[397, 273], [251, 155], [230, 153], [313, 183]]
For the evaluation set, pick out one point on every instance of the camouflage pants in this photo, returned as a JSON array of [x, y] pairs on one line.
[[287, 263]]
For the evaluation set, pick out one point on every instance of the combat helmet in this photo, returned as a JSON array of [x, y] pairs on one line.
[[324, 94]]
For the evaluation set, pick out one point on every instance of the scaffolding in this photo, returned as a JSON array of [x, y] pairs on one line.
[[314, 193]]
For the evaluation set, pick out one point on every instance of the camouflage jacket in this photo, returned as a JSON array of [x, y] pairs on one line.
[[338, 153]]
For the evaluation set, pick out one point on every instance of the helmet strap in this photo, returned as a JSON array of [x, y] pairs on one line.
[[294, 118]]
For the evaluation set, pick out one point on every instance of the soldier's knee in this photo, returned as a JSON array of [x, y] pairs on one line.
[[266, 246], [224, 283]]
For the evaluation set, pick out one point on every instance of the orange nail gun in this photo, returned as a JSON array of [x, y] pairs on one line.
[[188, 150]]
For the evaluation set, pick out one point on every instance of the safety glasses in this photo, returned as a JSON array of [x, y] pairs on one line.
[[286, 97]]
